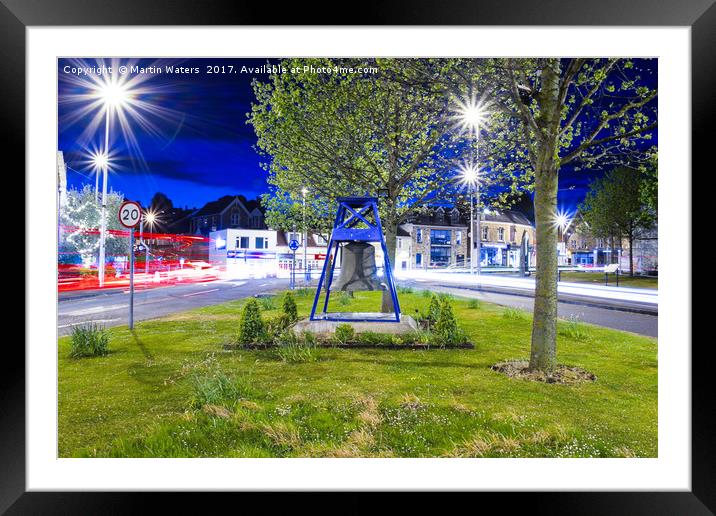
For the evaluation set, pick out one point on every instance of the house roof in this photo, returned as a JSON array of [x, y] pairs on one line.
[[509, 216], [219, 205]]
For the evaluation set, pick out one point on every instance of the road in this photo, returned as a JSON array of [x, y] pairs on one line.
[[110, 307], [624, 316]]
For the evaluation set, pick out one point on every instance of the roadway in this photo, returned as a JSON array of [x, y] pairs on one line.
[[110, 307]]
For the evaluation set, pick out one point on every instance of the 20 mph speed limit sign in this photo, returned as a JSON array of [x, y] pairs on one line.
[[130, 213]]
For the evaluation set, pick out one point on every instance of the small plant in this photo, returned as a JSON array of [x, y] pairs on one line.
[[267, 302], [289, 308], [252, 328], [89, 340], [574, 329], [405, 290], [375, 339], [514, 313], [303, 292], [344, 334], [213, 387], [276, 325], [446, 328], [344, 298], [473, 304], [293, 348], [426, 293]]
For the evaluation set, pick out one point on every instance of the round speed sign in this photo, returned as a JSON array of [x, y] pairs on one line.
[[130, 213]]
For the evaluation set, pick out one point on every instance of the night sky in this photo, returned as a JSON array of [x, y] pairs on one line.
[[200, 147]]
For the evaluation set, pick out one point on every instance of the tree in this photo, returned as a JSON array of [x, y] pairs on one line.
[[285, 211], [347, 133], [81, 217], [161, 203], [614, 206], [551, 113]]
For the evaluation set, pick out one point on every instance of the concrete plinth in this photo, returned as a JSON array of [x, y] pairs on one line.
[[387, 324]]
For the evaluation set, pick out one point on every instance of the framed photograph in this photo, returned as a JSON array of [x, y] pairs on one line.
[[420, 252]]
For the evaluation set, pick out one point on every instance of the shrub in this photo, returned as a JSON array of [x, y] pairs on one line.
[[473, 304], [293, 348], [267, 302], [89, 340], [252, 328], [289, 307], [405, 290], [344, 298], [303, 292], [344, 334], [276, 325], [433, 310], [446, 328], [426, 293]]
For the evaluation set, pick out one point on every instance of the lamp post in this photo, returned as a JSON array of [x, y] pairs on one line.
[[114, 96], [150, 217], [304, 191], [471, 114]]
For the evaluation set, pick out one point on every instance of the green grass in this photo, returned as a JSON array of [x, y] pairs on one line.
[[168, 389], [598, 278]]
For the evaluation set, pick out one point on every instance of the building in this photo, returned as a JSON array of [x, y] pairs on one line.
[[244, 253], [434, 237], [502, 233], [229, 212]]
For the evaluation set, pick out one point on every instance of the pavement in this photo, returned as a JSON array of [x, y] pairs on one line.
[[110, 307]]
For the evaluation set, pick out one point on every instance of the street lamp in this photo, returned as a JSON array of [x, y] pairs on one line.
[[304, 191], [114, 96], [470, 176], [470, 115], [150, 218]]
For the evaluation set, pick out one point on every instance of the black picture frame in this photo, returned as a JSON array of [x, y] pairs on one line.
[[700, 15]]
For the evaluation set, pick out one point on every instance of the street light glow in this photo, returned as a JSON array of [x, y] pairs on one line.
[[150, 218], [469, 174], [114, 94], [99, 160], [562, 220], [471, 114], [304, 191]]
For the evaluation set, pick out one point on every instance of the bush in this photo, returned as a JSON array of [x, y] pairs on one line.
[[303, 292], [446, 329], [252, 328], [375, 339], [89, 340], [405, 290], [293, 348], [267, 302], [289, 307], [344, 334], [276, 325], [426, 293], [473, 304], [433, 310], [344, 298]]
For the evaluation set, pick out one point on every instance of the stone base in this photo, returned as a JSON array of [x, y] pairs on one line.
[[387, 325]]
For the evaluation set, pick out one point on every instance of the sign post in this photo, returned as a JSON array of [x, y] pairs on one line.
[[130, 214], [293, 245]]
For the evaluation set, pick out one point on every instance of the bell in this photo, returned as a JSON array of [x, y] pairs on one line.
[[358, 270]]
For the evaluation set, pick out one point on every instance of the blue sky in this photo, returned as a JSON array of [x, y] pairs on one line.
[[203, 149]]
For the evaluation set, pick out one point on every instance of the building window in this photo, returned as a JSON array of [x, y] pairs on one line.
[[485, 233], [439, 255], [419, 236], [234, 218], [440, 236], [458, 237], [418, 258], [500, 234], [242, 242], [400, 243], [513, 233], [261, 243]]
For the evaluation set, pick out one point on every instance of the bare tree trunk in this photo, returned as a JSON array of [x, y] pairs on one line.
[[631, 254], [543, 355]]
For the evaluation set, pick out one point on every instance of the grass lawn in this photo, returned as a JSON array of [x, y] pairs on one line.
[[598, 278], [170, 390]]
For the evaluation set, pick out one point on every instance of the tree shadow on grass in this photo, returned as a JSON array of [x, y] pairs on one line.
[[142, 347]]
